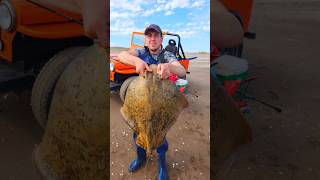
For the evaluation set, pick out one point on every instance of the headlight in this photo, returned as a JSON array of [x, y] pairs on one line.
[[7, 15], [111, 67]]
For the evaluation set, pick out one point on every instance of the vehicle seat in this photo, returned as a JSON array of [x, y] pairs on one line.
[[171, 47]]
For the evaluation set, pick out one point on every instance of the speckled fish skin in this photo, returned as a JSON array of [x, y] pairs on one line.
[[152, 106], [75, 143]]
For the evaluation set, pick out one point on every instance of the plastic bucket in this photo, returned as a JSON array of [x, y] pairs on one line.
[[230, 68], [182, 86]]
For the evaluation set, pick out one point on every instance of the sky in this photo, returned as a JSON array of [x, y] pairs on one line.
[[188, 18]]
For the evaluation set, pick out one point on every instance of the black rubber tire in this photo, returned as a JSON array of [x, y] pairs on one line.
[[124, 87], [46, 80]]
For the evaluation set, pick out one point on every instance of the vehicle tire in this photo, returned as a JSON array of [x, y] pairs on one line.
[[46, 80], [124, 87]]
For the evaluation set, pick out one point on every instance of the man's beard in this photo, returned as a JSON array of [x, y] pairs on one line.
[[155, 49]]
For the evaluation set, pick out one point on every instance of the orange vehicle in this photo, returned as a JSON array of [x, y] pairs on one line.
[[242, 10], [122, 74], [36, 44]]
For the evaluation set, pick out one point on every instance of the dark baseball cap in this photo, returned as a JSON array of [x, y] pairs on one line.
[[153, 27]]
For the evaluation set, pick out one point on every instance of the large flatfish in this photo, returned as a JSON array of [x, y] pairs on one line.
[[75, 143], [151, 107]]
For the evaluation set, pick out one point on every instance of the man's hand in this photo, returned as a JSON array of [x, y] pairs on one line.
[[131, 57], [163, 70], [94, 13], [142, 66]]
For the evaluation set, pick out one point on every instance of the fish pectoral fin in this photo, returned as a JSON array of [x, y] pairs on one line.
[[126, 119]]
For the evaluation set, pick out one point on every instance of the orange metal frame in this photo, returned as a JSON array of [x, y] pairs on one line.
[[132, 45], [37, 22]]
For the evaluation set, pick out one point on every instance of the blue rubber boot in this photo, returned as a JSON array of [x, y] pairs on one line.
[[161, 150], [142, 156]]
